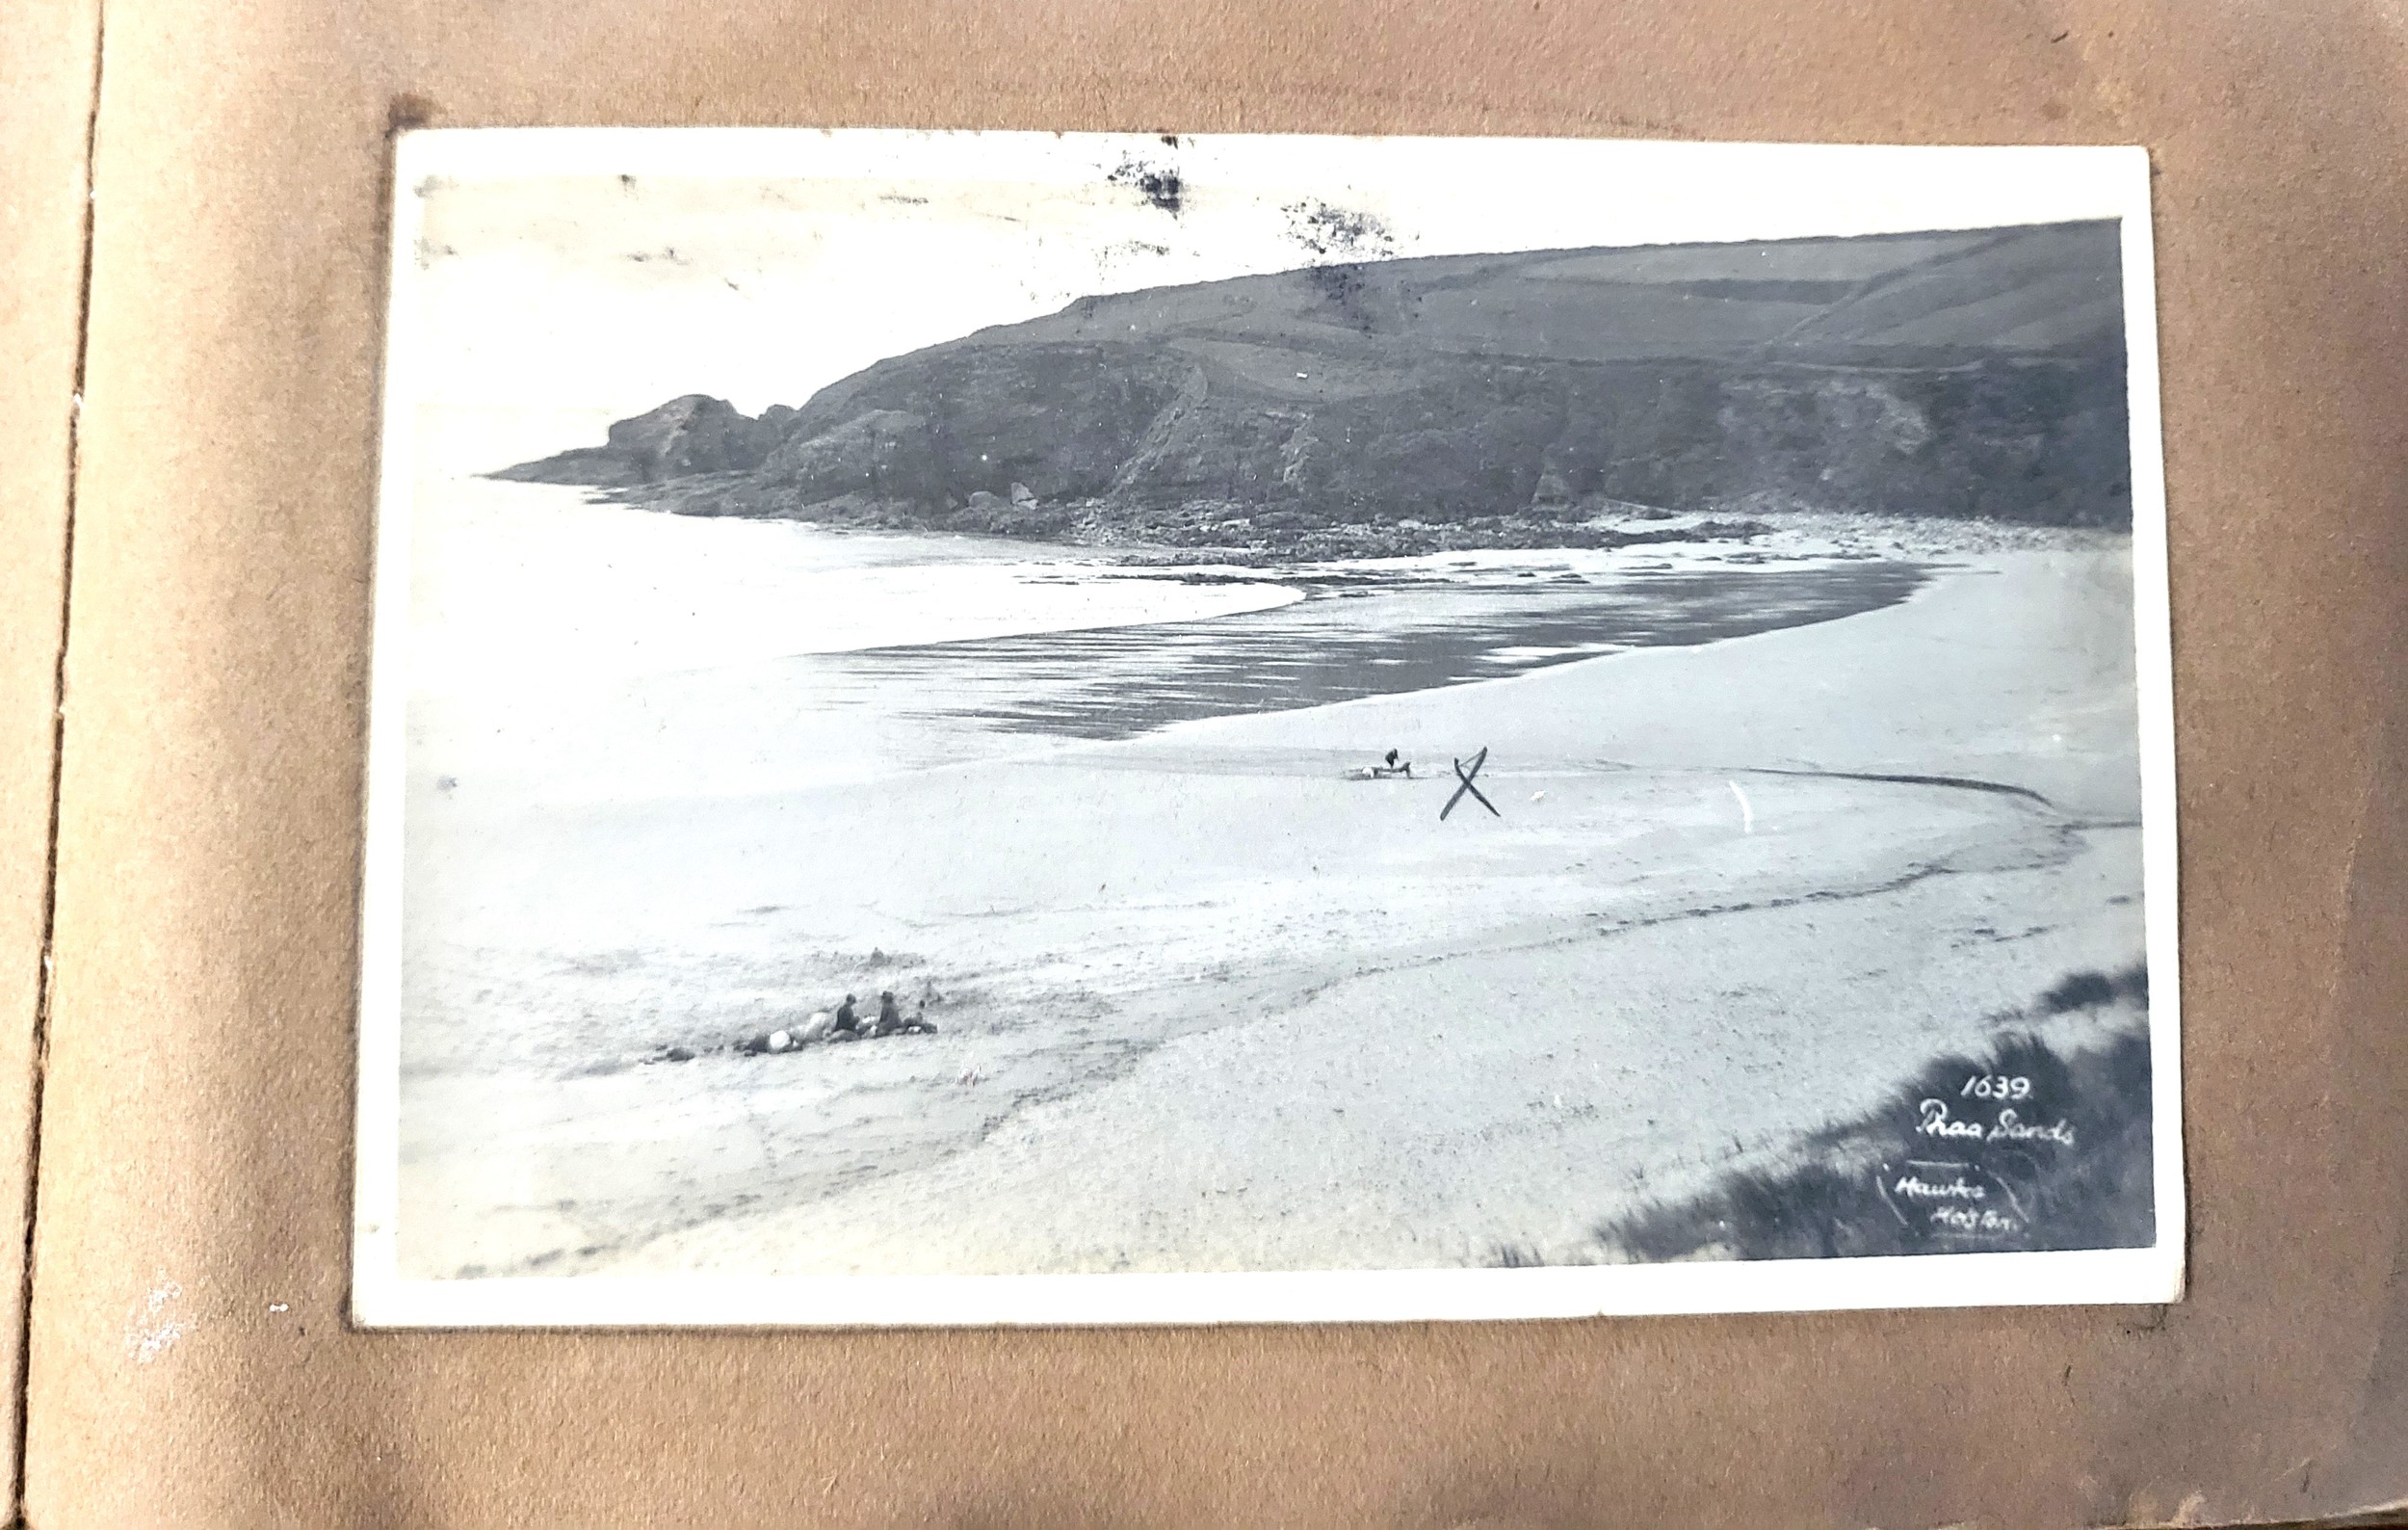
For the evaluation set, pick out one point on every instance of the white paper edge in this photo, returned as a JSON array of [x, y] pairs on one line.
[[2086, 182]]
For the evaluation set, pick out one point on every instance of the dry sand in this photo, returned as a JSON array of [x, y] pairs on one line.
[[1206, 1004]]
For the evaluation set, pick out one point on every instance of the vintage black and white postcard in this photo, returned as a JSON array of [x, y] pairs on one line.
[[1037, 728]]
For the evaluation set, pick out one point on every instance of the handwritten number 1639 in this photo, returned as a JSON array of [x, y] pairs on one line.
[[1997, 1086]]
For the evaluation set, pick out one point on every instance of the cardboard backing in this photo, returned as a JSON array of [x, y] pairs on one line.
[[190, 1365], [46, 57]]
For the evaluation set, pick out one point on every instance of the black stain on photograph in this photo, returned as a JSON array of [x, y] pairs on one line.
[[1159, 184], [1325, 228]]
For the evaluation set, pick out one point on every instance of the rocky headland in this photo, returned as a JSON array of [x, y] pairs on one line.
[[1554, 398]]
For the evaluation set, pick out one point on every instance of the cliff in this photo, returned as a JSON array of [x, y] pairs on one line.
[[1969, 374]]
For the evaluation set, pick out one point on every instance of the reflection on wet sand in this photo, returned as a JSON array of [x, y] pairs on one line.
[[1353, 637]]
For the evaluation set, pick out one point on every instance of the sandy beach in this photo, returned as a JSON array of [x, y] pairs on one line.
[[1206, 1003]]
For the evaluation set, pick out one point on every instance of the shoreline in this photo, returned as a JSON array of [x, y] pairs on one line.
[[1265, 539], [1635, 817], [550, 625]]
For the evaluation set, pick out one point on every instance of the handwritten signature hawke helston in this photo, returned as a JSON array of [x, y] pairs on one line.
[[1936, 1122], [1951, 1196], [1965, 1219]]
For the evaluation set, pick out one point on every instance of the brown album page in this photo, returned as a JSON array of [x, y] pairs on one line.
[[191, 1359]]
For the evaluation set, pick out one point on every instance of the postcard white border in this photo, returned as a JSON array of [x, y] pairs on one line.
[[1895, 188]]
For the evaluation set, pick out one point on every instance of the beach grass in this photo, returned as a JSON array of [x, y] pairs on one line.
[[2027, 1144]]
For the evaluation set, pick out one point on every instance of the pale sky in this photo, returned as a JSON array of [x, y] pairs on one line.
[[551, 279]]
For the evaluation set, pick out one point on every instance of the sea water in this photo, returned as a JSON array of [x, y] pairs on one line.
[[563, 651]]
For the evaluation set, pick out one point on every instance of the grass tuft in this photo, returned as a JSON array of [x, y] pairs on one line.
[[2024, 1145]]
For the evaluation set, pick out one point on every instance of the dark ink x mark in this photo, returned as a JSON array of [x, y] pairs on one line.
[[1465, 776]]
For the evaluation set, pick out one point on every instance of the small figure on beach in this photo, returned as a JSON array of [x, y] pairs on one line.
[[1397, 768], [768, 1041], [1392, 764], [846, 1026], [891, 1022]]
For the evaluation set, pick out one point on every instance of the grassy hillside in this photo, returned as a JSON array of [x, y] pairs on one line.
[[1957, 374]]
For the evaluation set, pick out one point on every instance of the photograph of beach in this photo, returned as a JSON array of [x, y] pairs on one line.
[[1023, 728]]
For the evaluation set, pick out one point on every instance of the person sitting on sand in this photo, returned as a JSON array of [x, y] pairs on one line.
[[846, 1026], [1396, 769], [889, 1018], [919, 1024]]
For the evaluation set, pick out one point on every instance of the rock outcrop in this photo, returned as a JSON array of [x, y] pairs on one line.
[[694, 434]]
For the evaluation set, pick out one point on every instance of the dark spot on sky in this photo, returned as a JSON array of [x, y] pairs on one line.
[[1327, 229], [1159, 184]]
